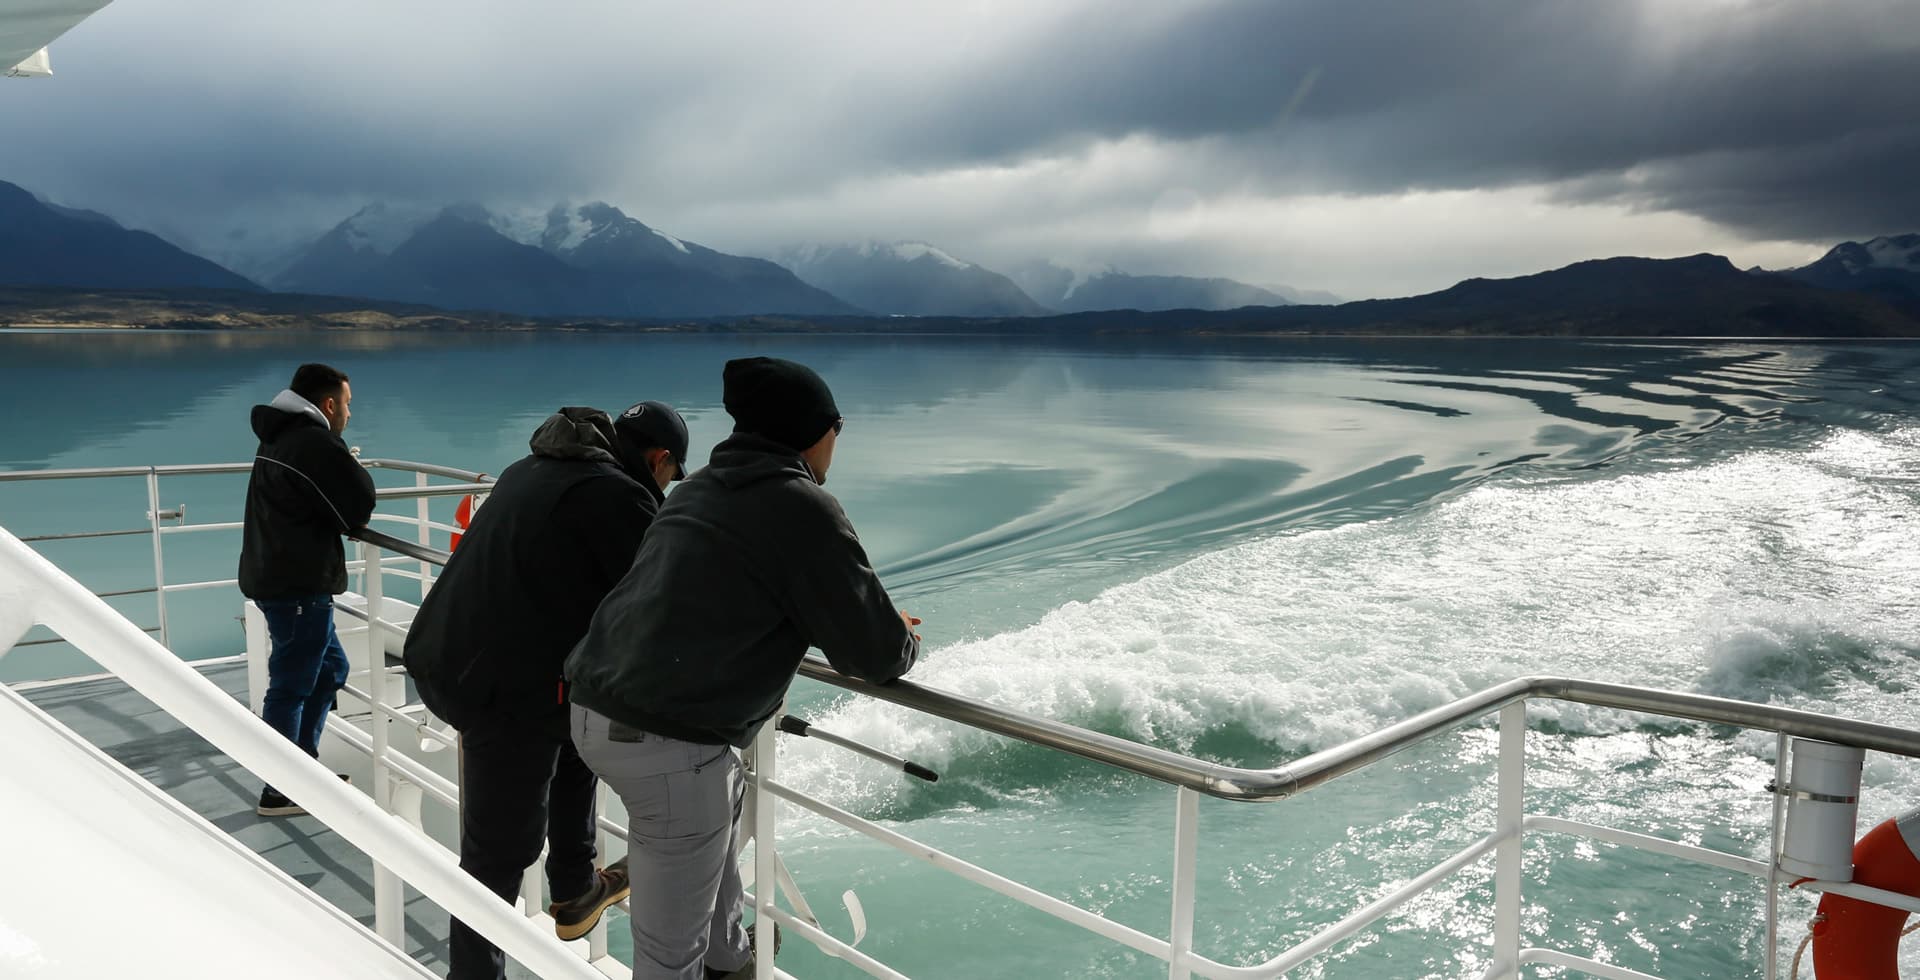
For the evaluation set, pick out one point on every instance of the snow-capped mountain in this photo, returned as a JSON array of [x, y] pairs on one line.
[[908, 279], [571, 260], [1888, 266], [1114, 290], [590, 234], [351, 258]]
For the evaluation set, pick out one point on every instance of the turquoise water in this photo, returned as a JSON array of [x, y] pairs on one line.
[[1243, 550]]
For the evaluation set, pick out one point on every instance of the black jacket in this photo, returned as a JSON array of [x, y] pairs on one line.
[[306, 490], [559, 529], [749, 563]]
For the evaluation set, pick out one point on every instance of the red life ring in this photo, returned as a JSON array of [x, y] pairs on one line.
[[1856, 940], [463, 516]]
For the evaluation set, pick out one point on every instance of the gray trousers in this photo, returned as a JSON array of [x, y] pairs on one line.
[[683, 804]]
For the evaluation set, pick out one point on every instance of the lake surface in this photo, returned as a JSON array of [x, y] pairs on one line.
[[1244, 550]]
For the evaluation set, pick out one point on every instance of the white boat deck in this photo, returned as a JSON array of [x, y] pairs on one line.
[[82, 829], [131, 730]]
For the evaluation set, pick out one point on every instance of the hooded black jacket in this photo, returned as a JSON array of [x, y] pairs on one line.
[[560, 527], [749, 563], [306, 490]]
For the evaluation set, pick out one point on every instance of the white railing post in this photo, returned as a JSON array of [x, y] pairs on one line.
[[425, 537], [597, 945], [1186, 848], [766, 871], [1510, 815], [1774, 842], [159, 562], [530, 878], [389, 898]]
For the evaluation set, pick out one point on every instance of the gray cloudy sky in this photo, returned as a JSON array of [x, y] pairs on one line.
[[1368, 148]]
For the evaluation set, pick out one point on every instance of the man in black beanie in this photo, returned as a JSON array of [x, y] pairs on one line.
[[748, 565], [783, 401], [486, 648]]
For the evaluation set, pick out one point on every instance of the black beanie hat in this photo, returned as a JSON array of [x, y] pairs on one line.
[[784, 401]]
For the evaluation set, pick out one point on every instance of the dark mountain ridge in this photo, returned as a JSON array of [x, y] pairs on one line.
[[590, 260], [1698, 296], [49, 245], [909, 279], [593, 267], [1060, 289], [1888, 267]]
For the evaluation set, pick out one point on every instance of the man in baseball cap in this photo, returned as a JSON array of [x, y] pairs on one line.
[[486, 648], [651, 425]]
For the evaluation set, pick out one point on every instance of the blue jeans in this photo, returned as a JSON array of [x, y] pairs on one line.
[[304, 671]]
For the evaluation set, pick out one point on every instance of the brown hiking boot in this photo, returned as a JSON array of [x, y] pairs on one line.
[[577, 917]]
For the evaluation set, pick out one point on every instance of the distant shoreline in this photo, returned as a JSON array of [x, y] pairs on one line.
[[1294, 336], [1700, 297], [39, 327]]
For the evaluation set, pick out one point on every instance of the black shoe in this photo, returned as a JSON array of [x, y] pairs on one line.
[[577, 917], [746, 972], [272, 804]]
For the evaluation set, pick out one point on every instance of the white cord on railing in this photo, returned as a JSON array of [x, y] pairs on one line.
[[36, 592]]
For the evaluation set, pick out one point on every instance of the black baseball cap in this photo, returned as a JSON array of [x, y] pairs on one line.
[[653, 425]]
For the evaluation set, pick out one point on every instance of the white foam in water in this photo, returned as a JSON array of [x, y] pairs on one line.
[[1782, 576]]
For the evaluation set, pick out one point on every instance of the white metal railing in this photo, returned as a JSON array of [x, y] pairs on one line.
[[1504, 844], [38, 593], [1193, 778], [403, 784], [157, 530]]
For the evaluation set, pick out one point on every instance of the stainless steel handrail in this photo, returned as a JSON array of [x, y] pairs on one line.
[[201, 469], [431, 490], [84, 535], [411, 549], [95, 472], [1254, 785], [431, 469]]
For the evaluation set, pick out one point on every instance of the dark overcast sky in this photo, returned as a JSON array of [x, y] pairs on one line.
[[1372, 148]]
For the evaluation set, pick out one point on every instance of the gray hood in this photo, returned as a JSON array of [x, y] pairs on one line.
[[287, 401], [576, 433]]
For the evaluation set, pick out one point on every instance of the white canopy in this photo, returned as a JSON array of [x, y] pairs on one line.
[[28, 26]]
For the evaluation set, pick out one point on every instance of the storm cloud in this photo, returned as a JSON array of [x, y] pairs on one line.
[[1368, 148]]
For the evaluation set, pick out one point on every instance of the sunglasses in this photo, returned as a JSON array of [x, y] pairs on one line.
[[838, 424]]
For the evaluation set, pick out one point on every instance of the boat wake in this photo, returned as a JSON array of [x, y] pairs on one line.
[[1770, 575]]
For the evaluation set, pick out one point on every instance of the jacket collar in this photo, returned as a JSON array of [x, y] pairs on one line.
[[292, 404]]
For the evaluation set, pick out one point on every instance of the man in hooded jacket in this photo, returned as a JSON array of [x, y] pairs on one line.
[[749, 564], [306, 490], [560, 527]]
